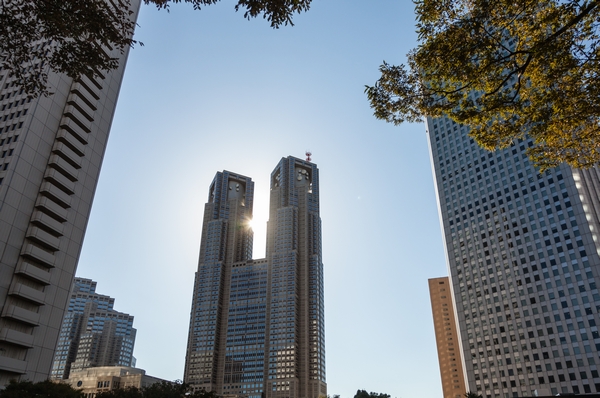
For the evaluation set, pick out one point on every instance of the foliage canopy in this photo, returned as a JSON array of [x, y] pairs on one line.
[[508, 69], [67, 36], [49, 389], [46, 389], [158, 390], [365, 394]]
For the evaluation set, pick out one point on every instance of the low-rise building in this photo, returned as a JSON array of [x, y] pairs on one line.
[[105, 378]]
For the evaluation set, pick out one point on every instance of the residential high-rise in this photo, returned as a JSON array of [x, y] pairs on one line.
[[92, 334], [51, 150], [522, 250], [446, 338], [257, 326]]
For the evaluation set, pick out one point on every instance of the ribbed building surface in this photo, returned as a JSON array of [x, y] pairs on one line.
[[51, 150], [92, 334], [446, 337], [257, 326], [522, 250]]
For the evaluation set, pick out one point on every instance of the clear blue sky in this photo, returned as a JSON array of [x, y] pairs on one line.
[[212, 91]]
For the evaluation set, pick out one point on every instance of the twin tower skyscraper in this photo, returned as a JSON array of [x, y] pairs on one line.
[[257, 326]]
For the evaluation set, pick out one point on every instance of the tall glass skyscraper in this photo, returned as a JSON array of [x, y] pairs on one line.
[[257, 326], [92, 334], [522, 251]]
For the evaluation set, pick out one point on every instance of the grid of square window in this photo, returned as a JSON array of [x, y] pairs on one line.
[[14, 107], [522, 266]]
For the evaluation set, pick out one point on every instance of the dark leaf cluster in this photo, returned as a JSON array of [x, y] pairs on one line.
[[46, 389], [75, 37], [85, 37], [276, 12], [49, 389], [158, 390], [365, 394]]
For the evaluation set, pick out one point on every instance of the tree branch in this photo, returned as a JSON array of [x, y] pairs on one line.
[[571, 23]]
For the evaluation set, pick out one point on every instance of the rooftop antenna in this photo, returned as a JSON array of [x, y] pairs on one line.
[[308, 156]]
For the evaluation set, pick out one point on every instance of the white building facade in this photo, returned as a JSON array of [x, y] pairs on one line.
[[51, 151], [522, 252]]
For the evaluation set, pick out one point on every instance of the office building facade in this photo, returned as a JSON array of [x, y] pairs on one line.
[[522, 252], [446, 338], [92, 334], [257, 326], [51, 150]]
